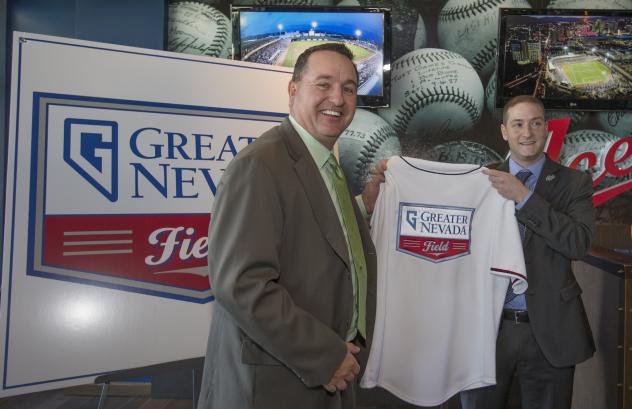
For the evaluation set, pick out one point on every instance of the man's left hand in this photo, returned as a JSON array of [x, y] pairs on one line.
[[346, 373]]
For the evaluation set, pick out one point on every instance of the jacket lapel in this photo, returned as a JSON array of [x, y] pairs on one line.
[[545, 186], [316, 192]]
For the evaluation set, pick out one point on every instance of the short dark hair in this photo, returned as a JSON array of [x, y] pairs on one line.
[[519, 99], [301, 61]]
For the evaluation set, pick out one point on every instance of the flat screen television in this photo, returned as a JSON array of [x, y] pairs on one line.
[[570, 59], [278, 34]]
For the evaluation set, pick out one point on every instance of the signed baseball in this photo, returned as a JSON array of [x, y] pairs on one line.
[[463, 152], [196, 28], [434, 94], [367, 140]]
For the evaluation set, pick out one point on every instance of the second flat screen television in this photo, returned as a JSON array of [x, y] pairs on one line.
[[277, 35], [570, 59]]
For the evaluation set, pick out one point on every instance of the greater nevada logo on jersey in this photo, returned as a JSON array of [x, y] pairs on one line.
[[122, 191], [434, 233]]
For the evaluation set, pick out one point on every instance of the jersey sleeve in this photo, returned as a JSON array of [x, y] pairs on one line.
[[507, 254]]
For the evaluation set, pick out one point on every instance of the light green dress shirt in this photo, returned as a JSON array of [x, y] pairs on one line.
[[321, 154]]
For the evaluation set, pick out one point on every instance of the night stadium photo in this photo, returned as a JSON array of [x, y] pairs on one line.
[[581, 60], [279, 37]]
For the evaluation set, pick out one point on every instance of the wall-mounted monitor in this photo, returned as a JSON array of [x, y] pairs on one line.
[[278, 35], [570, 59]]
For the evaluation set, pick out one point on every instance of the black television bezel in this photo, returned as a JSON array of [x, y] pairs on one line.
[[569, 103], [369, 101]]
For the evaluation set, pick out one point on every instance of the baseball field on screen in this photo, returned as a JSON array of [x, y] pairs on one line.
[[586, 72], [297, 47]]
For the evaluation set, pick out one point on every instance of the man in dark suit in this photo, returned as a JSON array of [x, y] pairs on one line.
[[291, 261], [544, 333]]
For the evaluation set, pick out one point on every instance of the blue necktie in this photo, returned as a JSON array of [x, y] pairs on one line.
[[522, 176]]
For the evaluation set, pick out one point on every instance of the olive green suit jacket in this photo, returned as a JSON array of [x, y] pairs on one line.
[[279, 271]]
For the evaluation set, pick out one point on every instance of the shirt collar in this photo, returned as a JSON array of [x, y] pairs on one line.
[[535, 168], [319, 152]]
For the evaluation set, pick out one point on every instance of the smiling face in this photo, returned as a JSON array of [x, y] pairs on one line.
[[323, 101], [525, 131]]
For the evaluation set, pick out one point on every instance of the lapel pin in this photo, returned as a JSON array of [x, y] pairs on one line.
[[550, 178]]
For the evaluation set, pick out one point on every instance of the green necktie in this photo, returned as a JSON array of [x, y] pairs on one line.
[[355, 242]]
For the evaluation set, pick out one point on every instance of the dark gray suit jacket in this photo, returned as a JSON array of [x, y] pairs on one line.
[[279, 270], [559, 218]]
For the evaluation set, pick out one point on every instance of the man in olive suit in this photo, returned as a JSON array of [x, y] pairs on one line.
[[291, 261]]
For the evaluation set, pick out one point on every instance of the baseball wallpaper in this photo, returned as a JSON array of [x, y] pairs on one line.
[[443, 89]]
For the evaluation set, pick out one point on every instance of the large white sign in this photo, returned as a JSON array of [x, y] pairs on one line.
[[114, 158]]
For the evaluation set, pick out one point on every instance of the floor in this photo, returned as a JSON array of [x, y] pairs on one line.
[[58, 399]]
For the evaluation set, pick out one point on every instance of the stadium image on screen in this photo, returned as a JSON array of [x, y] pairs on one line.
[[567, 57], [279, 37]]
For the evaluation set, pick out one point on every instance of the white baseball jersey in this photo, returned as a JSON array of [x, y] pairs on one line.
[[448, 246]]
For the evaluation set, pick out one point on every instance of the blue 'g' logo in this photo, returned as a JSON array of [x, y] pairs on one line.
[[90, 148]]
